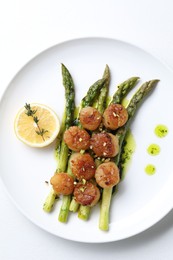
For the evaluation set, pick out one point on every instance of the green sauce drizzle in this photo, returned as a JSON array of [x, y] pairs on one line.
[[153, 149], [150, 169], [161, 131], [129, 148]]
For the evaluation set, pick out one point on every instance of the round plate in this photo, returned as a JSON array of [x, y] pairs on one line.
[[141, 200]]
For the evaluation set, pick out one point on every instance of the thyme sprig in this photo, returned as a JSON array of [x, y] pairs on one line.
[[31, 112]]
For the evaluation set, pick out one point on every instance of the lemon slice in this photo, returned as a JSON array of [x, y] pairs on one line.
[[33, 133]]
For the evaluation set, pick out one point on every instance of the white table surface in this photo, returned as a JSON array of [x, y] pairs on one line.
[[29, 27]]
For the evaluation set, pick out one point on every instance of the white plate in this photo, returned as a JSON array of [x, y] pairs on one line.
[[142, 200]]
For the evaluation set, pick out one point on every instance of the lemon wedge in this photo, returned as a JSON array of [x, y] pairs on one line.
[[39, 129]]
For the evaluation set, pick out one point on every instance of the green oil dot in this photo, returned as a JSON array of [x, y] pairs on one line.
[[161, 131], [153, 149], [150, 169]]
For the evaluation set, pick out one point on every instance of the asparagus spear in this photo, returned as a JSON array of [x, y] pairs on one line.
[[63, 214], [100, 104], [123, 89], [66, 123], [68, 114], [132, 108], [66, 200], [92, 92], [90, 96], [86, 101], [84, 212], [64, 150]]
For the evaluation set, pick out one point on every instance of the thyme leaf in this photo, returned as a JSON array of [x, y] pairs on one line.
[[31, 112]]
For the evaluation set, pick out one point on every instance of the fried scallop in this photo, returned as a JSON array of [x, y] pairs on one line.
[[90, 118], [107, 175], [86, 194], [104, 144], [82, 166], [77, 139], [115, 116], [62, 183]]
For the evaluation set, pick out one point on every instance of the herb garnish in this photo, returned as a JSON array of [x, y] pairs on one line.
[[30, 112]]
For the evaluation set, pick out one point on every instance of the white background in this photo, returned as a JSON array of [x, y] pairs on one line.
[[26, 29]]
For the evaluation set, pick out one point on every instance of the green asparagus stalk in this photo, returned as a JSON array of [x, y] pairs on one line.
[[90, 97], [64, 211], [68, 118], [69, 96], [50, 201], [64, 150], [68, 115], [123, 89], [74, 206], [68, 203], [84, 212], [88, 100], [132, 108], [100, 104], [92, 93]]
